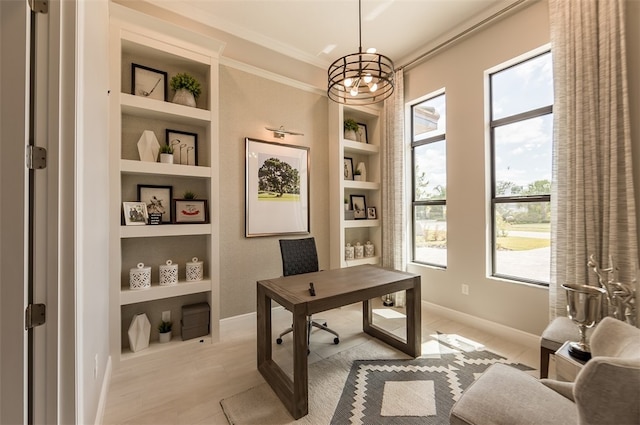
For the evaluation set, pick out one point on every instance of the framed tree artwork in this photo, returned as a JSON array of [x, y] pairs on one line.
[[277, 189]]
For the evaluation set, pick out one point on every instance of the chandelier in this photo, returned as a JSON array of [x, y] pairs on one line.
[[360, 78]]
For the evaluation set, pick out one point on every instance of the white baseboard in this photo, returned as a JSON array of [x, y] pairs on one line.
[[517, 336], [104, 393]]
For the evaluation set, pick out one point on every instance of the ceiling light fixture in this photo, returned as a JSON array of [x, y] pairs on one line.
[[361, 78]]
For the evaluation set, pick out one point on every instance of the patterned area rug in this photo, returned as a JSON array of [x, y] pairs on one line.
[[416, 391]]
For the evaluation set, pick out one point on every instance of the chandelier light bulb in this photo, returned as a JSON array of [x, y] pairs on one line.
[[354, 92], [367, 78], [371, 50], [373, 87], [348, 82]]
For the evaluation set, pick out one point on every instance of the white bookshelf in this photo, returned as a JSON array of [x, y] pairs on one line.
[[344, 230], [137, 38]]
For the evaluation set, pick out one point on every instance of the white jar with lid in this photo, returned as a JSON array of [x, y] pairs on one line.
[[194, 270], [168, 274], [359, 250], [348, 252], [140, 277], [368, 249]]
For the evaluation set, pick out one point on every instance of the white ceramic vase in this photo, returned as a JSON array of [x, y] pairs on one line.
[[184, 97], [363, 171], [139, 332]]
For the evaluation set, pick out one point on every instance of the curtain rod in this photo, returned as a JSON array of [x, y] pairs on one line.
[[464, 33]]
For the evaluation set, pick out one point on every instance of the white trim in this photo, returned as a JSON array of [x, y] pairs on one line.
[[241, 66], [514, 335], [104, 393]]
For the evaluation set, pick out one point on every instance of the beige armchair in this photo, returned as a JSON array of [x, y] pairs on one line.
[[606, 390]]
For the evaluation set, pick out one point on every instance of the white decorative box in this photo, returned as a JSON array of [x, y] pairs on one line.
[[348, 252], [194, 270], [368, 249], [359, 250], [140, 277], [168, 274]]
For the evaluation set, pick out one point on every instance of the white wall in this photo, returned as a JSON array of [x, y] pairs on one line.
[[460, 70], [92, 182]]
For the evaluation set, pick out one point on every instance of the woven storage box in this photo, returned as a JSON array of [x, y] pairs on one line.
[[195, 320], [168, 274], [140, 277], [194, 270]]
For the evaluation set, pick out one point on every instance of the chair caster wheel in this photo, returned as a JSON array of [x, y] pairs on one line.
[[279, 341], [336, 341]]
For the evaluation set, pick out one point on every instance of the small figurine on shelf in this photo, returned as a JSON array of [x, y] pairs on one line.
[[357, 175]]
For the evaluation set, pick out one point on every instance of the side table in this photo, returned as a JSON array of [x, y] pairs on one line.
[[567, 367]]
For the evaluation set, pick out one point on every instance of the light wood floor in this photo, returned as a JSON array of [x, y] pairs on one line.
[[185, 385]]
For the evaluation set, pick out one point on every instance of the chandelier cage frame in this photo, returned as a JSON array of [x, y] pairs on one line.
[[369, 75]]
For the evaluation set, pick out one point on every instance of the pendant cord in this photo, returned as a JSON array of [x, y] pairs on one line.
[[360, 26]]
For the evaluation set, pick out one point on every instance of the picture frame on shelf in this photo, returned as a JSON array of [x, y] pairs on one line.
[[359, 205], [371, 213], [185, 146], [362, 133], [277, 189], [190, 211], [135, 213], [148, 82], [157, 200], [348, 168]]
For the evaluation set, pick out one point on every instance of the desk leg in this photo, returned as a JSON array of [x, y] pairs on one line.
[[264, 327], [300, 369], [413, 344]]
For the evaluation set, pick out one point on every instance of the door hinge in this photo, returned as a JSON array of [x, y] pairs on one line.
[[36, 157], [39, 6], [35, 315]]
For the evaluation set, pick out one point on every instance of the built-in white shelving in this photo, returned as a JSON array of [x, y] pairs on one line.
[[144, 40], [345, 230]]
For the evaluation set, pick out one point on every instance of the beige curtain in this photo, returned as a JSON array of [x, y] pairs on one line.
[[592, 198], [394, 243]]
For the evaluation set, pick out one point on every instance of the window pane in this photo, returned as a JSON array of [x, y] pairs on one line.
[[430, 234], [429, 118], [522, 87], [430, 172], [523, 157], [523, 240]]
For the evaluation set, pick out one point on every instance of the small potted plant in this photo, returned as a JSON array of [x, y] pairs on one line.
[[166, 154], [346, 204], [187, 89], [351, 129], [357, 175], [165, 331], [189, 195]]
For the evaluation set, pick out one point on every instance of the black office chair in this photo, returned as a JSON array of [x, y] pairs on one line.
[[300, 256]]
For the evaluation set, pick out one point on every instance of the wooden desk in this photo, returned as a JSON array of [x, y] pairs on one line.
[[334, 288]]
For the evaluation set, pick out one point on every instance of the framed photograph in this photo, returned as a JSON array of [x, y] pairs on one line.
[[277, 189], [371, 213], [362, 133], [148, 82], [135, 213], [185, 146], [348, 168], [190, 211], [157, 200], [359, 206]]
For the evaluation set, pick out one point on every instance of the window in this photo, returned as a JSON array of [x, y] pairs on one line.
[[521, 149], [429, 169]]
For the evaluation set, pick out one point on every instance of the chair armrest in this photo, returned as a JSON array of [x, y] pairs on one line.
[[563, 388]]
